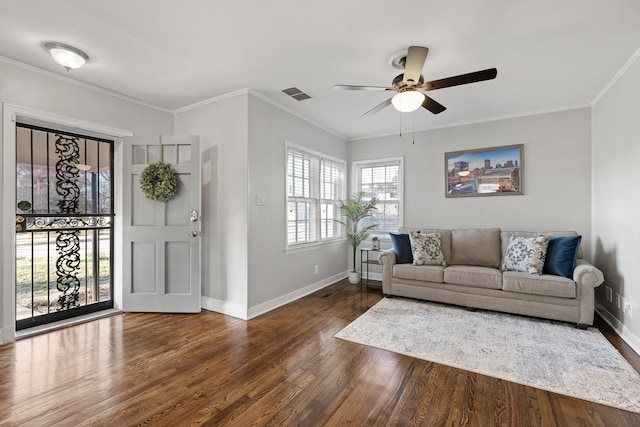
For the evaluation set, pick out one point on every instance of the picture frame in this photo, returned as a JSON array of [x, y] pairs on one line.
[[493, 171]]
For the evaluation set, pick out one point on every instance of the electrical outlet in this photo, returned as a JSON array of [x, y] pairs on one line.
[[316, 269], [627, 309], [608, 292]]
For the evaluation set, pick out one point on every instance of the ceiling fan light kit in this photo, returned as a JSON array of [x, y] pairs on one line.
[[411, 86], [408, 101], [67, 56]]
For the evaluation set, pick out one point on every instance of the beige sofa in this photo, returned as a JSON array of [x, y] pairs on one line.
[[473, 278]]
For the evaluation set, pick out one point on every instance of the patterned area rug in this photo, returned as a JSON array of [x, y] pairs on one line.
[[552, 356]]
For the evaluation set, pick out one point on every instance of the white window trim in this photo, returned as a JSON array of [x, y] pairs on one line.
[[295, 247], [356, 165]]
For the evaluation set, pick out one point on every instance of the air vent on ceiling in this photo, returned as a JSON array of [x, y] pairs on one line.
[[296, 94]]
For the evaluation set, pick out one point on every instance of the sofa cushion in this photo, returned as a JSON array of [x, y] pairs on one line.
[[479, 247], [401, 247], [426, 248], [426, 273], [553, 286], [526, 254], [561, 256], [479, 277]]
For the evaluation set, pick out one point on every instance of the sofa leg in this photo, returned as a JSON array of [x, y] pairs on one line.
[[582, 326]]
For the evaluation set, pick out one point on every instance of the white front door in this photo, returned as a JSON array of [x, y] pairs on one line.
[[161, 240]]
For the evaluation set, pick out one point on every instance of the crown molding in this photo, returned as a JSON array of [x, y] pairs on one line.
[[474, 122], [294, 113], [81, 84], [617, 77], [211, 101]]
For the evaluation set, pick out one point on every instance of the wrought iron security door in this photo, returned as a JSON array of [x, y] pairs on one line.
[[64, 225]]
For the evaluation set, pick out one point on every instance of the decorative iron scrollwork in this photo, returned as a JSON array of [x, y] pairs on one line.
[[37, 223], [67, 266], [67, 174], [67, 241]]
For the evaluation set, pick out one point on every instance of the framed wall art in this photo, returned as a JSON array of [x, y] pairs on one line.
[[494, 171]]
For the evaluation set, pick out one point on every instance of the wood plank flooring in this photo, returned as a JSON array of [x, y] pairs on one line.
[[284, 368]]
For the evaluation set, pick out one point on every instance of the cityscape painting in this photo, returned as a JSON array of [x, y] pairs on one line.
[[495, 171]]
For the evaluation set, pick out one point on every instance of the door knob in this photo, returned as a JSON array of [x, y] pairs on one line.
[[194, 233], [193, 216]]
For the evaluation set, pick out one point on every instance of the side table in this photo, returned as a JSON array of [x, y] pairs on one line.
[[365, 259]]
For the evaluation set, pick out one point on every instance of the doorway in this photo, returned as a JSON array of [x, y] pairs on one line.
[[64, 225]]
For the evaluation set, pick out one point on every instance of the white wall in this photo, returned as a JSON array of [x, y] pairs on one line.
[[616, 201], [222, 126], [277, 276], [557, 163], [41, 92]]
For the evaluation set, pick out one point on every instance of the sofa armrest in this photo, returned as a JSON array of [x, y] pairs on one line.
[[387, 259], [587, 274]]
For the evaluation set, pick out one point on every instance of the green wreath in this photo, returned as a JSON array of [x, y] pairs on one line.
[[158, 182]]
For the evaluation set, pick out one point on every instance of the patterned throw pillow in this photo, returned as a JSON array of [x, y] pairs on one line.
[[426, 248], [526, 254]]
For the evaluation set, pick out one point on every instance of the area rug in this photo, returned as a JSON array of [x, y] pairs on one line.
[[552, 356]]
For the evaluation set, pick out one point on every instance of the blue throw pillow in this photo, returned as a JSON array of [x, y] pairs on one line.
[[402, 248], [561, 255]]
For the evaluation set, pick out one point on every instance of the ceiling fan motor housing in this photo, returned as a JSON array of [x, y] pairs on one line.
[[400, 85]]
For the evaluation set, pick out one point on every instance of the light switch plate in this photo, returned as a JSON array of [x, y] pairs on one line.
[[260, 199]]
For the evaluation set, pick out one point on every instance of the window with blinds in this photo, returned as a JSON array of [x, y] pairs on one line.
[[381, 179], [315, 187]]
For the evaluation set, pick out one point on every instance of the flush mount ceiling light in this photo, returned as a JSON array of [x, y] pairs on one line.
[[408, 101], [67, 56]]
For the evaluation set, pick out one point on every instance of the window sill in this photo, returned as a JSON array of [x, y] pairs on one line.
[[303, 247]]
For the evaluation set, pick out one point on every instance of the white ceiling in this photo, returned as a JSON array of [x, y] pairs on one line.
[[550, 54]]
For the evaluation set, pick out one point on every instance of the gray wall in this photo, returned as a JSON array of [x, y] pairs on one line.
[[273, 272], [222, 126], [44, 92], [557, 164], [246, 269], [616, 201]]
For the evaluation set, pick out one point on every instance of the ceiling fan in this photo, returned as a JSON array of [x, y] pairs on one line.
[[410, 85]]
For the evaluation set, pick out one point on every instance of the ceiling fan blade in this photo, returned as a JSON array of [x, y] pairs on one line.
[[377, 108], [414, 63], [462, 79], [434, 106], [370, 88]]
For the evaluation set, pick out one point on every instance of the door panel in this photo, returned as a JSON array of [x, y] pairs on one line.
[[162, 239]]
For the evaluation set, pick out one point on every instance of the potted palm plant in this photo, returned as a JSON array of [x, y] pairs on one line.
[[354, 210]]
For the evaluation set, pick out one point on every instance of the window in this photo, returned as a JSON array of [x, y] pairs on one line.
[[381, 179], [315, 187]]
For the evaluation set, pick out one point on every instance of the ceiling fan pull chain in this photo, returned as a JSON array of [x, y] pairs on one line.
[[413, 129], [400, 125]]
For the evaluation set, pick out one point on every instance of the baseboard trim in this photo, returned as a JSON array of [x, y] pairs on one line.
[[224, 307], [627, 336], [242, 312], [292, 296]]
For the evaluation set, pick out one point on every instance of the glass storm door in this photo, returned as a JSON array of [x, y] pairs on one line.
[[64, 218]]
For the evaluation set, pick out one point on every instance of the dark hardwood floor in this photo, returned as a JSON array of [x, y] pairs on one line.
[[282, 368]]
